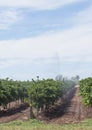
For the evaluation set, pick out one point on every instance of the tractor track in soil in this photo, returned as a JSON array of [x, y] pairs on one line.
[[71, 111]]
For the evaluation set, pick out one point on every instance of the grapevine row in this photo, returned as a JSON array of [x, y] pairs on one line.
[[42, 93], [86, 91]]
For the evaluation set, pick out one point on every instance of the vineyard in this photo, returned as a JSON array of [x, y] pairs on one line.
[[86, 91], [43, 92], [40, 95], [12, 91], [57, 101]]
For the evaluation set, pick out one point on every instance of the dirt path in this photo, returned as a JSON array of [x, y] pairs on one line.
[[73, 112]]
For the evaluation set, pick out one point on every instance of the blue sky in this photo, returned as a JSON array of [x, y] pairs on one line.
[[45, 38]]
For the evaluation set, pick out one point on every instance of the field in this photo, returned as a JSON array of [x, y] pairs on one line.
[[37, 125], [70, 114], [71, 111]]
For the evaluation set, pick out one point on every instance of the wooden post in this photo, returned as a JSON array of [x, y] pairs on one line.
[[31, 108]]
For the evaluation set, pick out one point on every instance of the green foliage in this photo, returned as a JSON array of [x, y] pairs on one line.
[[86, 90], [45, 93], [12, 91]]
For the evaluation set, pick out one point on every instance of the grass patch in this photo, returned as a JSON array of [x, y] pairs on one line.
[[38, 125]]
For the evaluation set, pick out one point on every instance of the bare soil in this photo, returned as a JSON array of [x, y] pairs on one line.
[[16, 113], [73, 111]]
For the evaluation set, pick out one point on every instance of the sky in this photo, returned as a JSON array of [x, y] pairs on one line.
[[45, 38]]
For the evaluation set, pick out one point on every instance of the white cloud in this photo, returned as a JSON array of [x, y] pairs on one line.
[[70, 44], [5, 63], [84, 16], [8, 17], [37, 4]]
